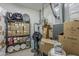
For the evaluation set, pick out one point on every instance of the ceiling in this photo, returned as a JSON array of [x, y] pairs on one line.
[[35, 6]]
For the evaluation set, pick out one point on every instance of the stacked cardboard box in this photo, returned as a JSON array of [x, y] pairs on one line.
[[70, 38], [71, 28], [18, 28], [51, 33], [26, 28], [46, 45], [48, 32]]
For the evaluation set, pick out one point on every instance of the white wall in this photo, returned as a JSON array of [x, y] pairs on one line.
[[66, 12], [71, 11], [2, 36], [34, 15], [74, 11], [48, 15]]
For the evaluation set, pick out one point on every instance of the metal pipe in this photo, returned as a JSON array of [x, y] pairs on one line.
[[63, 18], [52, 9]]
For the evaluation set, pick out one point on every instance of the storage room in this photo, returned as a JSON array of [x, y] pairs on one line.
[[39, 29]]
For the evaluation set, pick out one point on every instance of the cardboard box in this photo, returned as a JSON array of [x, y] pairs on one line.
[[13, 33], [61, 38], [18, 33], [22, 32], [65, 44], [71, 33], [13, 28], [12, 24], [70, 44], [46, 45], [71, 28], [9, 27], [22, 24], [9, 33], [26, 27], [20, 28], [26, 32], [19, 24], [51, 33], [70, 39], [45, 32], [16, 27], [67, 27], [71, 48]]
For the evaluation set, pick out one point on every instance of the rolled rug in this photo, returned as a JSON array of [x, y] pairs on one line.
[[23, 46], [17, 47], [10, 49]]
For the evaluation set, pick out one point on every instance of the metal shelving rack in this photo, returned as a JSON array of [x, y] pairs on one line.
[[8, 21]]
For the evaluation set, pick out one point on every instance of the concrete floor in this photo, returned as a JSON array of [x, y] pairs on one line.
[[26, 52]]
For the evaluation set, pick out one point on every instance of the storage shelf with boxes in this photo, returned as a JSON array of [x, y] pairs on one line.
[[70, 38], [17, 35]]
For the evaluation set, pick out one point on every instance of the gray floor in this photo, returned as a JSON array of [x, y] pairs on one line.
[[26, 52]]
